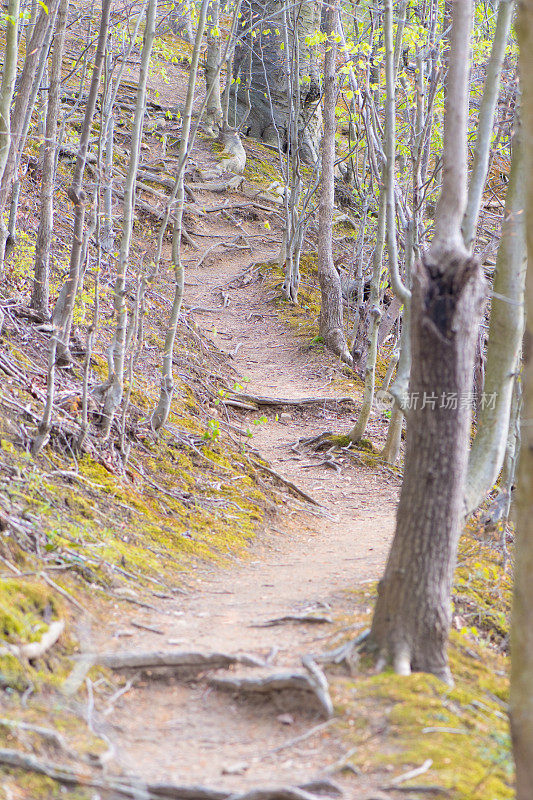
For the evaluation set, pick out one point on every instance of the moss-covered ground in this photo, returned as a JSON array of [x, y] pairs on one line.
[[398, 723]]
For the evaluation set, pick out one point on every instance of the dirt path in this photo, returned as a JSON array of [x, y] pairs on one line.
[[305, 559]]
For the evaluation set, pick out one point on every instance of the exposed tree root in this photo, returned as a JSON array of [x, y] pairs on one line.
[[315, 619], [289, 685], [186, 665], [34, 650], [133, 788]]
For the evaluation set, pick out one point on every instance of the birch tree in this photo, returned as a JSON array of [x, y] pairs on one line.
[[521, 700], [331, 323]]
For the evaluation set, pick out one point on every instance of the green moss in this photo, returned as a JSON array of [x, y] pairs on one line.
[[421, 718], [23, 605]]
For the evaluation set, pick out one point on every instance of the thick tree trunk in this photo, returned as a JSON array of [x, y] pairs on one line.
[[331, 324], [264, 90], [412, 617], [521, 701], [413, 612]]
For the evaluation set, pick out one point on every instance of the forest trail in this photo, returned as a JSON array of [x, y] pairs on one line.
[[305, 558]]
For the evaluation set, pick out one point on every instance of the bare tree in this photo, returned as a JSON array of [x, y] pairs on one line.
[[413, 614], [213, 112], [62, 315], [113, 389], [504, 344], [331, 324], [41, 292], [162, 409], [25, 83], [521, 701], [9, 74]]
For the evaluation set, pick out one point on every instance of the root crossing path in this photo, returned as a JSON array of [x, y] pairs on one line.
[[305, 559]]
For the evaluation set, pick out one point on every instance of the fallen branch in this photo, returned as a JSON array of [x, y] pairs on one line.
[[285, 482], [52, 737], [325, 402], [413, 773]]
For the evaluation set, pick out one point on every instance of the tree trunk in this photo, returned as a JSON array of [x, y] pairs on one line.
[[266, 101], [331, 324], [505, 337], [20, 108], [521, 702], [485, 125], [162, 409], [62, 315], [114, 387], [413, 611], [213, 112], [9, 73], [40, 291]]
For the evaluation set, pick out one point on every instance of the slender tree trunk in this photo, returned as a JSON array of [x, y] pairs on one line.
[[521, 702], [505, 338], [41, 292], [18, 114], [486, 120], [117, 350], [213, 113], [413, 611], [331, 324], [62, 315], [162, 409], [7, 87]]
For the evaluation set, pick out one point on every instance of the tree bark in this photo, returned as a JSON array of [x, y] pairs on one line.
[[162, 409], [413, 611], [331, 323], [521, 701], [117, 350], [9, 73]]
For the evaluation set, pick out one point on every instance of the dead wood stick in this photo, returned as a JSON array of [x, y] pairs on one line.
[[285, 482], [288, 401], [153, 212], [62, 592], [51, 736], [219, 186], [312, 618], [413, 773], [296, 740]]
